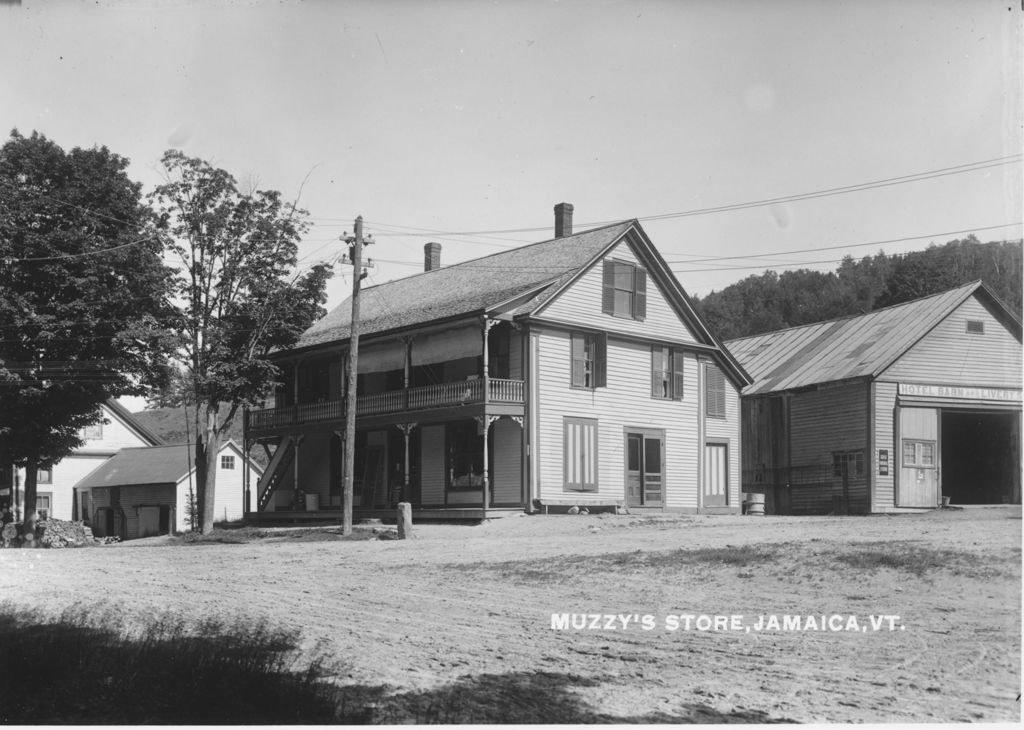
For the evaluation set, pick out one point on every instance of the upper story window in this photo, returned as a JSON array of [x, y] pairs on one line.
[[93, 432], [44, 475], [666, 373], [625, 290], [227, 461], [714, 392], [975, 327], [589, 360]]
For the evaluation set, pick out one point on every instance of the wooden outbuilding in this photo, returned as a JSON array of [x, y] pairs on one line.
[[142, 492], [895, 410]]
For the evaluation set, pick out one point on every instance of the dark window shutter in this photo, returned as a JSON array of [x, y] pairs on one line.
[[678, 362], [640, 296], [608, 290], [601, 360], [714, 392]]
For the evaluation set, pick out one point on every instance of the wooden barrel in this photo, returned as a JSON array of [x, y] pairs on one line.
[[754, 505]]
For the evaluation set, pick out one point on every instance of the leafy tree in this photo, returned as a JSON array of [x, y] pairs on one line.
[[82, 297], [238, 296]]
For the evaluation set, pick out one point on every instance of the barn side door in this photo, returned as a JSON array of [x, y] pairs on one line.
[[919, 458]]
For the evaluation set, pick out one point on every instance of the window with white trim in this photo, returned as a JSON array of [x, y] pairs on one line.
[[624, 291], [666, 373], [44, 475], [227, 462], [919, 453], [589, 360]]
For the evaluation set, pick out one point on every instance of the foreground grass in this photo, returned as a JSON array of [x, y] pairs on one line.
[[85, 668]]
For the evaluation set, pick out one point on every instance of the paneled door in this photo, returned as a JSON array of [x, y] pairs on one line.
[[645, 472], [716, 475]]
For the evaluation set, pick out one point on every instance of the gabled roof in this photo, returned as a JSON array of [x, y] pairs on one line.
[[862, 346], [167, 464], [467, 288], [132, 423]]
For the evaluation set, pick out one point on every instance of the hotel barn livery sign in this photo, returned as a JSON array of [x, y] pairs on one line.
[[960, 392]]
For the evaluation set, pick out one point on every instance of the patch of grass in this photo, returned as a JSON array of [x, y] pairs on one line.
[[907, 557], [245, 535], [84, 667], [739, 556]]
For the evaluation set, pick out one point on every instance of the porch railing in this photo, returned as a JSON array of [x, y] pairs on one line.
[[442, 395]]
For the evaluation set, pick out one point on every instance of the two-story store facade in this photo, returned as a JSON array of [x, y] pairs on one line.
[[570, 372]]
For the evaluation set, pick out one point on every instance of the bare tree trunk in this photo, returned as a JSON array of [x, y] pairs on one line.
[[206, 469], [31, 474]]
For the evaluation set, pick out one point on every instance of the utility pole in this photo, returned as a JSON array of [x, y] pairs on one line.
[[355, 252]]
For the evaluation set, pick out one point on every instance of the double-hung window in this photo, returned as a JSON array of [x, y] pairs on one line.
[[589, 358], [666, 373], [625, 290]]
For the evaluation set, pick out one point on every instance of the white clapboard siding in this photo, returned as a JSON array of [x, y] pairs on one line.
[[948, 355], [728, 430], [885, 438], [625, 403], [581, 303], [432, 476]]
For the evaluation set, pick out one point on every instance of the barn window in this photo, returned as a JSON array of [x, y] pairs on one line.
[[624, 290], [852, 461], [580, 454], [975, 327], [227, 461]]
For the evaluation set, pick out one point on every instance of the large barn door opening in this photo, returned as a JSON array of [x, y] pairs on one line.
[[980, 457], [919, 458]]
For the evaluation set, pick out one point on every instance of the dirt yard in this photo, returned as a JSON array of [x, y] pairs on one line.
[[461, 617]]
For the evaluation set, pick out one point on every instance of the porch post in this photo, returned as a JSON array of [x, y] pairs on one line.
[[485, 423], [246, 493], [485, 420], [407, 372], [295, 474], [406, 429]]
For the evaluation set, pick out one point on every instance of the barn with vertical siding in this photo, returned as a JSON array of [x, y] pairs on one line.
[[888, 411]]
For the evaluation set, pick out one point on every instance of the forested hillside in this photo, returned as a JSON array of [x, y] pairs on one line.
[[771, 301]]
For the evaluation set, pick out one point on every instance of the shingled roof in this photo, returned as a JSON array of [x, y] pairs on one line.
[[144, 465], [854, 347], [468, 287]]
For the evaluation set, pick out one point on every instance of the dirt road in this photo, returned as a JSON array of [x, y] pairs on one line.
[[461, 618]]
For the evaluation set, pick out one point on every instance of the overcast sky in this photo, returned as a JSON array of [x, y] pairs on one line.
[[447, 117]]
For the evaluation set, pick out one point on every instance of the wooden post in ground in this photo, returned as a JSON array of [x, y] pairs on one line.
[[404, 521]]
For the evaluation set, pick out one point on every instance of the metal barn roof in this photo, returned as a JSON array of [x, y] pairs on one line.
[[844, 349]]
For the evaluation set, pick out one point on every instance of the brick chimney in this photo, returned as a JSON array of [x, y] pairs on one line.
[[431, 256], [563, 220]]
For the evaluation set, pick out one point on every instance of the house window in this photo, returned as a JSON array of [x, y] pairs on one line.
[[714, 392], [589, 360], [93, 432], [227, 461], [44, 503], [580, 454], [44, 476], [852, 461], [975, 327], [919, 454], [666, 373], [625, 290]]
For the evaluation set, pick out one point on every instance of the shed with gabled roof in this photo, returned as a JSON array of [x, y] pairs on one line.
[[890, 410]]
